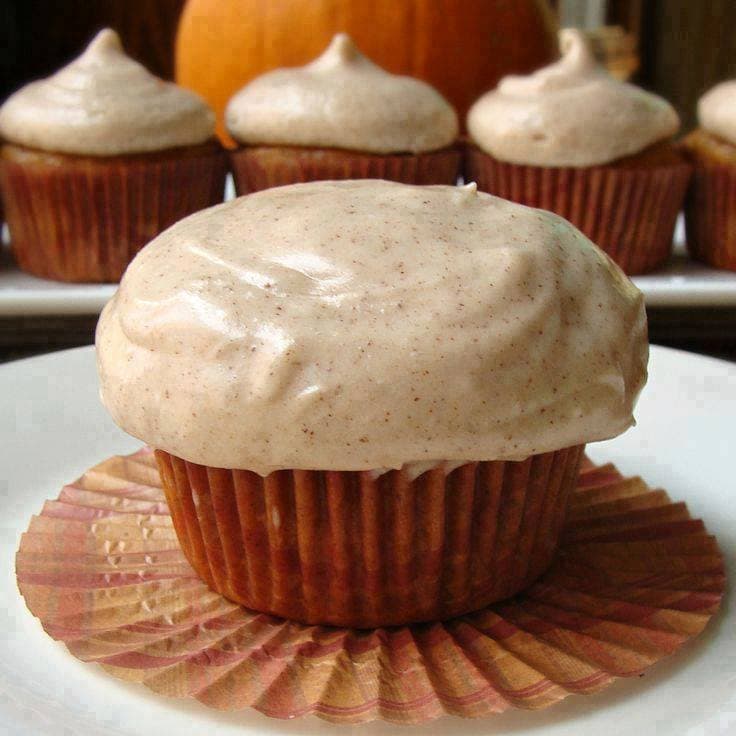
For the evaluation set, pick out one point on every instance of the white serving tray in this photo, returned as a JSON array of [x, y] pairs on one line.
[[53, 427], [681, 283]]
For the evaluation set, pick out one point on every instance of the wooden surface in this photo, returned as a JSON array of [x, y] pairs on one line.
[[688, 46], [627, 14]]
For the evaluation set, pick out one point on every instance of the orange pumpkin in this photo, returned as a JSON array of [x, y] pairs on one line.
[[462, 47]]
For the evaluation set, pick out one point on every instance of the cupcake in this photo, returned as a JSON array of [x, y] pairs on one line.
[[710, 207], [98, 159], [341, 117], [573, 140], [369, 400]]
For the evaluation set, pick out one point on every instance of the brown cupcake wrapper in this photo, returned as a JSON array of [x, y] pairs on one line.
[[629, 212], [348, 549], [83, 219], [261, 167], [634, 580], [710, 214]]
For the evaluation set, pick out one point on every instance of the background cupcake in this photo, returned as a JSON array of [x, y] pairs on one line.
[[572, 139], [355, 430], [98, 159], [710, 210], [341, 117]]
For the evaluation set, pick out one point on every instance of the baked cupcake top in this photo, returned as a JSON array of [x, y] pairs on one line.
[[368, 325], [717, 111], [571, 113], [105, 104], [342, 100]]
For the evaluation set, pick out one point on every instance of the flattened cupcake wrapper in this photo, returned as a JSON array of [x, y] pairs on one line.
[[628, 212], [261, 167], [348, 549], [634, 579], [83, 219], [710, 214]]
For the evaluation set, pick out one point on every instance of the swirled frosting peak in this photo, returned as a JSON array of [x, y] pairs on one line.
[[717, 111], [571, 113], [368, 325], [104, 104], [342, 100]]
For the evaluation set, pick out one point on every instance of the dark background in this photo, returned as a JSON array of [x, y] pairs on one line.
[[685, 46], [37, 37]]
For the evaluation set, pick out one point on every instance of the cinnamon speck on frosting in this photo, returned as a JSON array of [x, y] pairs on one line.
[[486, 330]]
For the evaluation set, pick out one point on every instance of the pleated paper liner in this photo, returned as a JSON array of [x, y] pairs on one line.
[[628, 211], [352, 549], [710, 205], [83, 218], [101, 568], [261, 167], [710, 215]]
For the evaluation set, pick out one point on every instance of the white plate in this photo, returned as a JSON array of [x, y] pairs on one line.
[[23, 295], [685, 283], [52, 428], [680, 283]]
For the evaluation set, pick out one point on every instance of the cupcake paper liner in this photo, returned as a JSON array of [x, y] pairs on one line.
[[635, 578], [261, 167], [710, 215], [349, 549], [83, 219], [629, 212]]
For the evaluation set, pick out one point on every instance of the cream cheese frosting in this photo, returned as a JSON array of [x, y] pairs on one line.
[[342, 100], [364, 325], [104, 104], [717, 111], [571, 113]]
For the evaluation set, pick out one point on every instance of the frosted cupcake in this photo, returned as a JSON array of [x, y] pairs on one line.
[[341, 117], [355, 430], [573, 140], [98, 159], [710, 211]]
